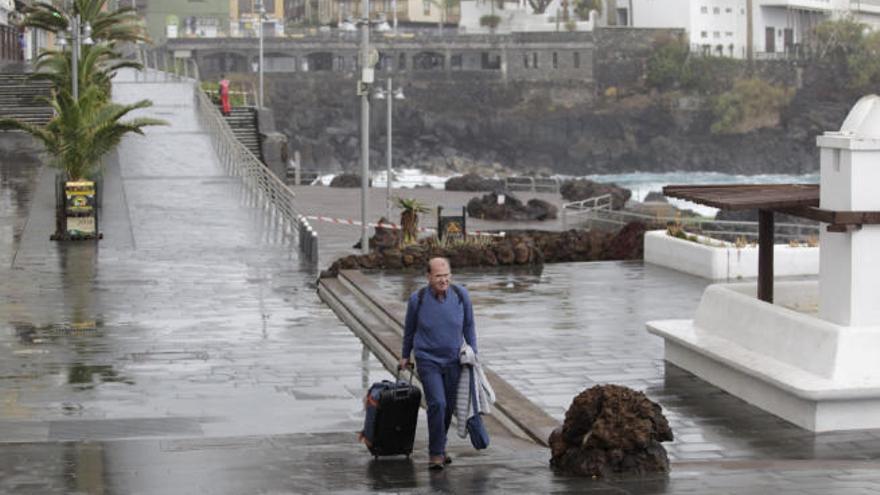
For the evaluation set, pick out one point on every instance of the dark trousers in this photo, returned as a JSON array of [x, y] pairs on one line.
[[441, 385]]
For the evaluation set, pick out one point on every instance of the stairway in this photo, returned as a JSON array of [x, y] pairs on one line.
[[20, 99], [245, 126]]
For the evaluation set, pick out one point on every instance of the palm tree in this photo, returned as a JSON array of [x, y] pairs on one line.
[[409, 218], [82, 132], [109, 25], [97, 66]]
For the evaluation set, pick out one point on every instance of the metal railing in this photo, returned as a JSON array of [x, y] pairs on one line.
[[533, 184], [160, 67], [238, 161], [585, 207], [720, 229]]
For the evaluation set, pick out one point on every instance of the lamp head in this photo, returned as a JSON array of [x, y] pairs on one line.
[[87, 32]]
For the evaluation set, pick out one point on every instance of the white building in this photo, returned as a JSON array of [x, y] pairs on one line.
[[721, 27]]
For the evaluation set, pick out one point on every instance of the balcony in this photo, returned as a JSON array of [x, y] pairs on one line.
[[814, 5]]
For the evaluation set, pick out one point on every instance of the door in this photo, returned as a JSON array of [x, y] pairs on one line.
[[788, 39], [770, 40]]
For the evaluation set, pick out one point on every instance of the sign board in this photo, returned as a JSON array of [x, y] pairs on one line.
[[80, 208], [451, 227]]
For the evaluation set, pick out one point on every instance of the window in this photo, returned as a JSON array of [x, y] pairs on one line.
[[455, 62], [728, 10], [728, 34], [426, 7], [576, 60], [526, 60], [401, 62], [716, 10], [704, 10], [535, 60], [555, 61], [716, 34], [704, 34]]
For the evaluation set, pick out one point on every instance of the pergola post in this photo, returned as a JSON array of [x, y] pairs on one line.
[[765, 255]]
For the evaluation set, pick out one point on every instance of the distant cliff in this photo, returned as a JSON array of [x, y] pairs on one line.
[[562, 127]]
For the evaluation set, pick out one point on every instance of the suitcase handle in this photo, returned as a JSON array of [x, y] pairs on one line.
[[412, 371]]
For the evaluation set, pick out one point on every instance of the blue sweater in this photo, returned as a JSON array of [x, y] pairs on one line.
[[441, 326]]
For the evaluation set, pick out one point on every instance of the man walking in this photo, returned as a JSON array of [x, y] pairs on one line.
[[439, 318]]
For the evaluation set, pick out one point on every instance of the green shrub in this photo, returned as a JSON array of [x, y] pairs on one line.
[[582, 8], [664, 67], [751, 104], [490, 21], [864, 65], [709, 75]]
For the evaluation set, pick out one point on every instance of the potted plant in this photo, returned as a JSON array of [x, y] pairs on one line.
[[409, 218], [76, 139]]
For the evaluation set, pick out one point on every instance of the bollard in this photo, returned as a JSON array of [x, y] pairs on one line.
[[313, 254]]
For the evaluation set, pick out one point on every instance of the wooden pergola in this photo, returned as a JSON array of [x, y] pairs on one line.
[[801, 200]]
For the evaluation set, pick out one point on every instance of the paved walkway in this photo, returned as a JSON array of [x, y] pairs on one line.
[[188, 353]]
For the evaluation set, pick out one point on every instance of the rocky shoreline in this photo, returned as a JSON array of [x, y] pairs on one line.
[[523, 247]]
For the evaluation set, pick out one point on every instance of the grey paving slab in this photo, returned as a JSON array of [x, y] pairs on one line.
[[188, 353], [554, 332]]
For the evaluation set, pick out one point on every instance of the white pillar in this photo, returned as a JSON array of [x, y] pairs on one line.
[[849, 266]]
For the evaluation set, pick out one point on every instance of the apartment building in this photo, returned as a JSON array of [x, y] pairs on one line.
[[722, 27]]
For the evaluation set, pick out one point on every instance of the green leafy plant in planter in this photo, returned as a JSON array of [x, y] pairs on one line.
[[97, 66], [490, 21], [122, 24], [82, 132], [409, 218]]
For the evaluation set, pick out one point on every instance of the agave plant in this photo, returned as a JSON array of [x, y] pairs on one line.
[[109, 25], [409, 217], [83, 130]]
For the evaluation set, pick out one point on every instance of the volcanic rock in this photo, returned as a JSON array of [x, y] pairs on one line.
[[611, 430]]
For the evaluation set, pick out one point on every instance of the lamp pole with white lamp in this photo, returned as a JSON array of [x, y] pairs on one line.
[[261, 13], [390, 95], [79, 35], [363, 90]]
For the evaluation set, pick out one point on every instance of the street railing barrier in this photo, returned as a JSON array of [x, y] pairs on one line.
[[585, 208], [236, 159], [532, 184], [240, 162], [720, 229]]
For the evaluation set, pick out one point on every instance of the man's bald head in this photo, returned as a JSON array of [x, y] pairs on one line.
[[439, 274]]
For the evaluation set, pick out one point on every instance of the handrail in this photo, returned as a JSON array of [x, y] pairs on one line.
[[586, 206], [533, 184], [241, 162], [704, 226]]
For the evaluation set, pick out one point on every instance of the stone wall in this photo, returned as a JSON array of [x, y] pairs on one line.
[[621, 54]]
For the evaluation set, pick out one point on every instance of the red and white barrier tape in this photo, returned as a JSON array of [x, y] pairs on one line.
[[384, 225]]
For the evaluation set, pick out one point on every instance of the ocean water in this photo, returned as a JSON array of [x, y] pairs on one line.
[[640, 183]]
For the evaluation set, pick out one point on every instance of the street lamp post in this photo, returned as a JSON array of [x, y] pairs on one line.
[[79, 35], [261, 12], [390, 95], [364, 91]]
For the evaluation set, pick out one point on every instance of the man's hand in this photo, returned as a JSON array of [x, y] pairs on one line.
[[404, 363]]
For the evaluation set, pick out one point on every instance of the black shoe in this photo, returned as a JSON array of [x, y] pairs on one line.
[[435, 466], [447, 460]]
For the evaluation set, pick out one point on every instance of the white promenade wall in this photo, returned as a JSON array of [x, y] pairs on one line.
[[723, 260]]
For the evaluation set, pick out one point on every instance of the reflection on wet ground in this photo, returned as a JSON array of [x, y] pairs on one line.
[[568, 327], [188, 353]]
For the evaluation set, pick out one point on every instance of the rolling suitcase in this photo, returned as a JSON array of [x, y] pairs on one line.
[[392, 410]]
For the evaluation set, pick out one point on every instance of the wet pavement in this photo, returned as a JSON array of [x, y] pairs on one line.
[[187, 352], [553, 332]]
